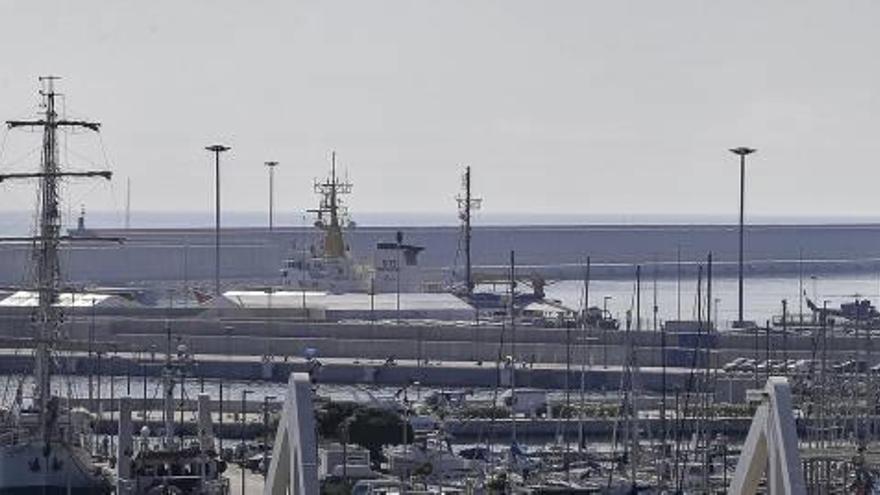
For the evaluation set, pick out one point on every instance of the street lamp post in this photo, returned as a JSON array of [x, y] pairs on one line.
[[742, 151], [271, 166], [217, 149], [399, 248]]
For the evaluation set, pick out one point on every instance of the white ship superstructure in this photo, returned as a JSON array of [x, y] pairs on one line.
[[329, 266]]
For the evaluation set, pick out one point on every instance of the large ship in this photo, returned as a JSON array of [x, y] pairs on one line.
[[328, 265], [43, 445]]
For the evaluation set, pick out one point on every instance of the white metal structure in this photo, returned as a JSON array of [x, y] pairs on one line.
[[294, 467], [771, 447]]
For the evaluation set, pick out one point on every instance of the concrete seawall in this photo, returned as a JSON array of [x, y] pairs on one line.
[[154, 256]]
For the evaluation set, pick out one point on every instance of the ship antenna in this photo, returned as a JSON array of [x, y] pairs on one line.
[[329, 191], [334, 214], [466, 206]]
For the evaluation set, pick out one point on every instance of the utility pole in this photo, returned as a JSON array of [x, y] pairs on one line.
[[217, 149], [742, 151], [271, 166]]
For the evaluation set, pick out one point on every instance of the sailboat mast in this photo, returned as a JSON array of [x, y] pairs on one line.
[[334, 214], [168, 386], [48, 270], [47, 319], [707, 392], [584, 357], [512, 309], [638, 297]]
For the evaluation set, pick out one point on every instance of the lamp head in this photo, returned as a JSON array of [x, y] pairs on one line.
[[217, 148], [742, 151]]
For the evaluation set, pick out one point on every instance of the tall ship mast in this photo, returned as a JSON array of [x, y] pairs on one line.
[[37, 453], [466, 206], [330, 191], [328, 266]]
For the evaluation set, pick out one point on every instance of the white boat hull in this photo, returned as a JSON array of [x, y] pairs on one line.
[[25, 469]]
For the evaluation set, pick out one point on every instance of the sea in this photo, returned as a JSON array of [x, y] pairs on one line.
[[762, 296]]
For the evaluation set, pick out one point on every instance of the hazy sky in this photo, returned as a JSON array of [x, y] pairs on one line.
[[586, 107]]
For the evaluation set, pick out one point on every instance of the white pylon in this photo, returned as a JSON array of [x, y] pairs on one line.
[[771, 447], [294, 467]]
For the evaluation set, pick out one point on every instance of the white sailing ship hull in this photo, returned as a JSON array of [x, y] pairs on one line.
[[24, 469]]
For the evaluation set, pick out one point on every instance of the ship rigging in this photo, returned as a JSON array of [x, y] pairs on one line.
[[68, 470]]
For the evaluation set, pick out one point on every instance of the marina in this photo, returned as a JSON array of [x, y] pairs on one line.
[[429, 374], [427, 248]]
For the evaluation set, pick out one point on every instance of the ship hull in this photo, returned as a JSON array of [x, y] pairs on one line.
[[25, 469]]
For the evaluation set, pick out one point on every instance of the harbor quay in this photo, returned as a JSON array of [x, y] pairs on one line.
[[173, 255], [428, 248], [378, 373], [278, 340], [531, 429]]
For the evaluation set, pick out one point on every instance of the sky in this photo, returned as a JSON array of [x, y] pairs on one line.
[[560, 107]]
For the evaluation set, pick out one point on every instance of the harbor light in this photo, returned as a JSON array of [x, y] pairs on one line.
[[742, 151], [217, 149], [271, 166]]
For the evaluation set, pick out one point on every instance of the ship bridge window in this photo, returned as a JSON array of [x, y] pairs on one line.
[[410, 256]]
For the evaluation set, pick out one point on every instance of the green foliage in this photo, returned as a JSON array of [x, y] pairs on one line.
[[497, 484], [330, 416], [369, 427], [333, 486], [590, 410]]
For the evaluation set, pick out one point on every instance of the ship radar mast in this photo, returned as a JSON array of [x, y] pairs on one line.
[[47, 279], [467, 204], [330, 191]]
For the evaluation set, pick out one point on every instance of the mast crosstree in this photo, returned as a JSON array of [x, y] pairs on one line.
[[331, 189], [48, 316]]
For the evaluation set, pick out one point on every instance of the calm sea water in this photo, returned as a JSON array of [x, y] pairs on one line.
[[762, 296]]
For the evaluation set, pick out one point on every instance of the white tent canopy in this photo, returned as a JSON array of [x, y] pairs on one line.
[[28, 299]]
